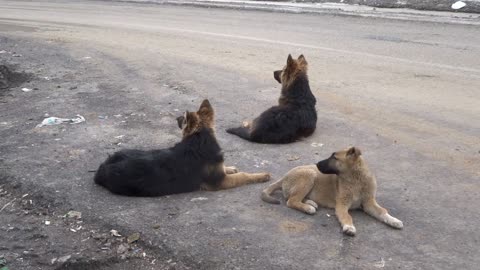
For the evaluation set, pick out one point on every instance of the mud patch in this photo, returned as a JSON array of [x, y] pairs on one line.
[[10, 78], [289, 226]]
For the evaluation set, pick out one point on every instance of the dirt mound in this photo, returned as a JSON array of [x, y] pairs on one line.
[[9, 78]]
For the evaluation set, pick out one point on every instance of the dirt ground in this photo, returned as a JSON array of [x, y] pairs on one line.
[[405, 92], [38, 233], [36, 230]]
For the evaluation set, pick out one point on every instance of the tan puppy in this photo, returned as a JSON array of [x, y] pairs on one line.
[[342, 181]]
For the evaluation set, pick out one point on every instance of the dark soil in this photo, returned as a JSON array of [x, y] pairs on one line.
[[10, 78], [35, 230], [37, 233]]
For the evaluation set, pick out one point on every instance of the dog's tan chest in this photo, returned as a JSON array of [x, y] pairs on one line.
[[324, 190], [356, 202]]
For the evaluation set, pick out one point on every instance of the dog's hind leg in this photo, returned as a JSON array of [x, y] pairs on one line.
[[230, 169], [372, 208], [241, 178], [267, 193], [297, 195]]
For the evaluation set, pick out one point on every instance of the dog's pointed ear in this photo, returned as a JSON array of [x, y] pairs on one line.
[[205, 106], [290, 61], [302, 60], [354, 152], [205, 109]]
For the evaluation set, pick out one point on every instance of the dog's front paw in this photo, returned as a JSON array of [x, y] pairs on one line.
[[394, 222], [312, 203], [349, 230], [310, 209], [398, 224]]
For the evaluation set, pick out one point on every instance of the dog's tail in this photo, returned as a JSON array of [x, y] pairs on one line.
[[101, 175], [241, 132], [267, 193]]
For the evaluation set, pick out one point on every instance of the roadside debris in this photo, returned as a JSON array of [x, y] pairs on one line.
[[115, 233], [458, 5], [74, 214], [3, 263], [26, 89], [199, 199], [3, 51], [292, 158], [380, 264], [56, 121], [7, 204], [64, 259], [133, 238], [47, 222], [122, 248], [314, 144], [76, 229]]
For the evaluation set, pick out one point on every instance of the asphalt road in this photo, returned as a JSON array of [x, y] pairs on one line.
[[405, 92]]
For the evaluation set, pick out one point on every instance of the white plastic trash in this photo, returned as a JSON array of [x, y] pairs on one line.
[[50, 121], [458, 5]]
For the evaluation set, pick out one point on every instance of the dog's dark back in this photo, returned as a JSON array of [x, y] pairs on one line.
[[179, 169], [295, 115]]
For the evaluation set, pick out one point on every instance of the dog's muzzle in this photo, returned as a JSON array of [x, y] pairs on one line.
[[324, 167], [278, 76]]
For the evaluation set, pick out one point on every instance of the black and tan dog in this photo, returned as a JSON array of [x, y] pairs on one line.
[[342, 181], [293, 118], [192, 164]]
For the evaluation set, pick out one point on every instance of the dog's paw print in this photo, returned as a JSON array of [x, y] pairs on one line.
[[349, 230]]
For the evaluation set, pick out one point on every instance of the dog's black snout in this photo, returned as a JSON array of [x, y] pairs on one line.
[[277, 75], [180, 121], [322, 166], [325, 168]]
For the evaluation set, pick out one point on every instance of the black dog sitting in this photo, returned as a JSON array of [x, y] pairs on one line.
[[295, 115]]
